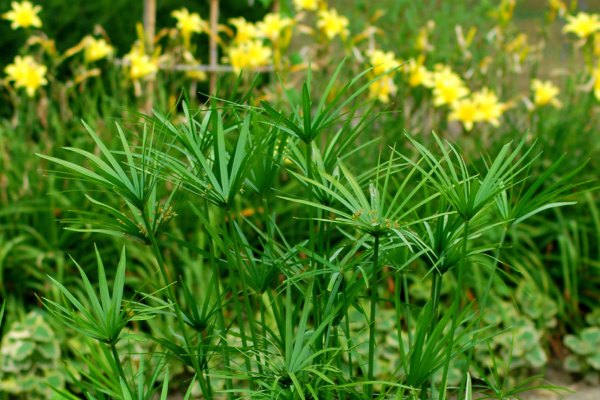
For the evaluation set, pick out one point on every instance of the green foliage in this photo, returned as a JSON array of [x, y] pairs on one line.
[[586, 354], [30, 359], [308, 349], [100, 317], [103, 318], [281, 248]]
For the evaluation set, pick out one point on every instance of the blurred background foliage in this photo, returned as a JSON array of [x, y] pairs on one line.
[[117, 17]]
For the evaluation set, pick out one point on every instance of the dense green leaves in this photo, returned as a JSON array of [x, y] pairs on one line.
[[102, 315], [285, 245]]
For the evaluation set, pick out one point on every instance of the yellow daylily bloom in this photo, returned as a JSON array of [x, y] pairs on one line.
[[23, 15], [482, 106], [418, 74], [382, 89], [556, 7], [582, 24], [465, 111], [250, 54], [96, 49], [244, 30], [196, 75], [448, 87], [273, 25], [309, 5], [383, 62], [544, 93], [422, 43], [189, 23], [332, 24], [489, 108], [26, 73], [141, 65]]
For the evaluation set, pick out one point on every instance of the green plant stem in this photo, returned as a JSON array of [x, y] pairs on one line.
[[336, 344], [263, 322], [407, 309], [456, 308], [220, 317], [268, 226], [268, 250], [488, 289], [247, 303], [374, 283], [399, 310], [115, 354], [170, 292], [312, 246], [348, 335], [204, 382], [436, 288]]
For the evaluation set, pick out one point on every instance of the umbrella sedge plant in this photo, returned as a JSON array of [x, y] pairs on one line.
[[275, 317]]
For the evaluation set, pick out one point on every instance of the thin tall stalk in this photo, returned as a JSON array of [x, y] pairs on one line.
[[436, 287], [455, 308], [220, 317], [247, 301], [488, 289], [205, 383], [373, 316], [312, 245], [117, 360]]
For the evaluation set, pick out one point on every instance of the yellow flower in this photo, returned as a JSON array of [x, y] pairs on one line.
[[448, 87], [382, 89], [583, 25], [250, 54], [545, 92], [27, 73], [23, 15], [332, 24], [418, 75], [273, 25], [244, 30], [96, 49], [383, 62], [465, 111], [188, 23], [310, 5], [422, 43], [482, 106], [557, 7], [505, 10], [196, 75], [488, 107], [141, 65]]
